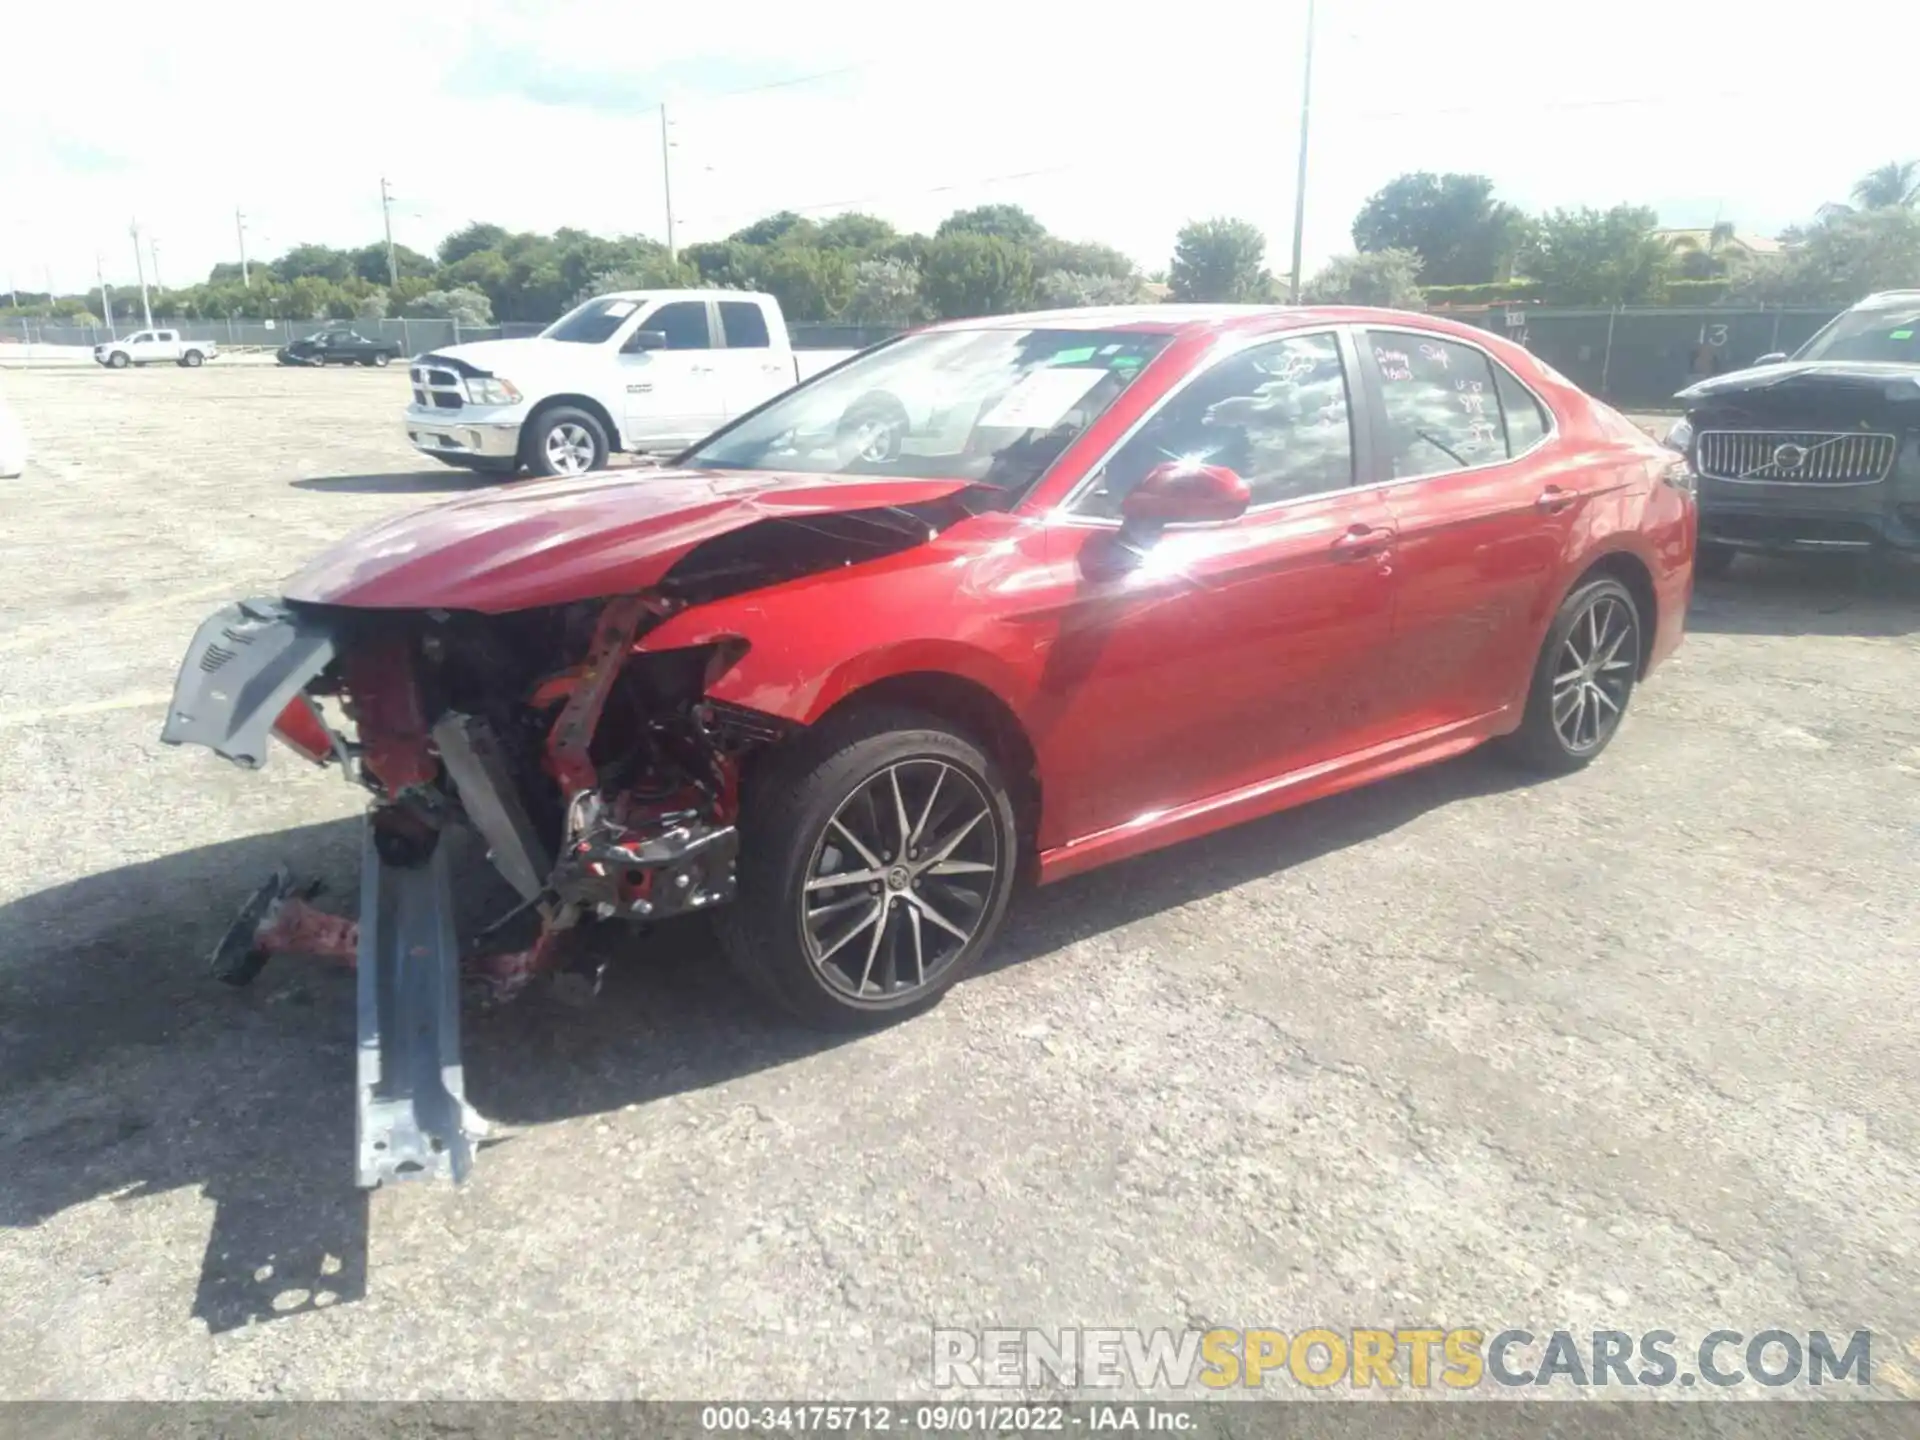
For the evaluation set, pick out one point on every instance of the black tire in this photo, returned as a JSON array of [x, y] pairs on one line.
[[1542, 742], [1711, 559], [118, 360], [535, 452], [382, 358], [784, 825], [192, 359]]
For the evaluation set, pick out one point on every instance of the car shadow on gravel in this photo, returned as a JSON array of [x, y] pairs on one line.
[[125, 1072], [1810, 595], [403, 482]]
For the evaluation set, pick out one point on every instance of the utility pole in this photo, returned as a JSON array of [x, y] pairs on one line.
[[386, 211], [1300, 177], [240, 229], [106, 298], [140, 267], [153, 250], [49, 270], [666, 179]]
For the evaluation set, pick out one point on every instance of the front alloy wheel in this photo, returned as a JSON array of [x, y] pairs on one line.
[[877, 855], [900, 880]]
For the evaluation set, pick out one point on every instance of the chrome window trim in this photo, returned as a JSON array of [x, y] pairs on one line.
[[1063, 514]]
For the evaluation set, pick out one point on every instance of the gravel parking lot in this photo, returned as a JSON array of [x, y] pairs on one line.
[[1633, 1050]]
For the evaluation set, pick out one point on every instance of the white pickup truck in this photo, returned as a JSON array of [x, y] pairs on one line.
[[149, 347], [644, 371]]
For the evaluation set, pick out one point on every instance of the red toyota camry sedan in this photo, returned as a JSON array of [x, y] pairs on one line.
[[1002, 598]]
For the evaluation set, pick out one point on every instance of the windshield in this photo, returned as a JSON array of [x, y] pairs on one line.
[[593, 322], [995, 406], [1879, 334]]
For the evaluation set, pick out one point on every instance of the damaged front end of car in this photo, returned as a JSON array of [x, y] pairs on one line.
[[605, 789], [486, 665]]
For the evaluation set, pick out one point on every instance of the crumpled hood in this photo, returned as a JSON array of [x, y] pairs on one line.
[[1871, 375], [499, 357], [550, 542]]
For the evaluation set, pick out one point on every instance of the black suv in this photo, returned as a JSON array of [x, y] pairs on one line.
[[1819, 451]]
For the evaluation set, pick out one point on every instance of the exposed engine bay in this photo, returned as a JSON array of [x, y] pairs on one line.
[[603, 782]]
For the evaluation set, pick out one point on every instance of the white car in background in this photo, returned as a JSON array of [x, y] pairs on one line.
[[13, 443], [152, 347]]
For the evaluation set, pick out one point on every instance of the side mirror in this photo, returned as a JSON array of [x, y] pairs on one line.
[[1772, 357], [1182, 494], [645, 340]]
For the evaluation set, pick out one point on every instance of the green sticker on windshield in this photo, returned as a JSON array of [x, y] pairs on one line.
[[1901, 335], [1072, 357]]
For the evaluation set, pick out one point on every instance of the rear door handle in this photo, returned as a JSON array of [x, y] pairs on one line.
[[1554, 499], [1361, 541]]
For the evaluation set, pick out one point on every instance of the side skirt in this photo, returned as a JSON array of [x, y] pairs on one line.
[[1264, 797]]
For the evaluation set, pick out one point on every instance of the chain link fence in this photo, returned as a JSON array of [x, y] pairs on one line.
[[1633, 358], [1636, 359]]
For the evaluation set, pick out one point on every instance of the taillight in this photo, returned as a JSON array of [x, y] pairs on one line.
[[303, 731]]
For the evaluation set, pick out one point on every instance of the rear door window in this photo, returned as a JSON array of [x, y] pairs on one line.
[[1523, 415], [1440, 406], [745, 325]]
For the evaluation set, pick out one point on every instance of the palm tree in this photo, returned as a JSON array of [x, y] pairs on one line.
[[1894, 186]]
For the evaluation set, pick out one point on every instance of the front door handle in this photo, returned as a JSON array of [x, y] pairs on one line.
[[1554, 499], [1361, 541]]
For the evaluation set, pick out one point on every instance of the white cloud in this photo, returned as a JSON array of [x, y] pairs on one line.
[[1110, 124]]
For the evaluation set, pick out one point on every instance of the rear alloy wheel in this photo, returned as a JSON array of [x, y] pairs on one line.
[[876, 864], [382, 358], [1583, 679], [191, 359], [565, 441]]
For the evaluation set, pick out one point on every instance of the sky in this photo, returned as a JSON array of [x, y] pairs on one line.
[[1108, 123]]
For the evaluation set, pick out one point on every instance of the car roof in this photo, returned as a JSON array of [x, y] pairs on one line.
[[1199, 320]]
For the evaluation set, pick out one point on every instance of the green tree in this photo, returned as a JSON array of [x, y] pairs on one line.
[[469, 307], [884, 292], [319, 262], [1005, 222], [728, 264], [1462, 235], [1847, 257], [1220, 260], [655, 273], [1389, 278], [1067, 289], [369, 262], [972, 274], [809, 283], [1599, 257], [855, 231], [477, 235], [782, 225], [1084, 257], [1895, 185]]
